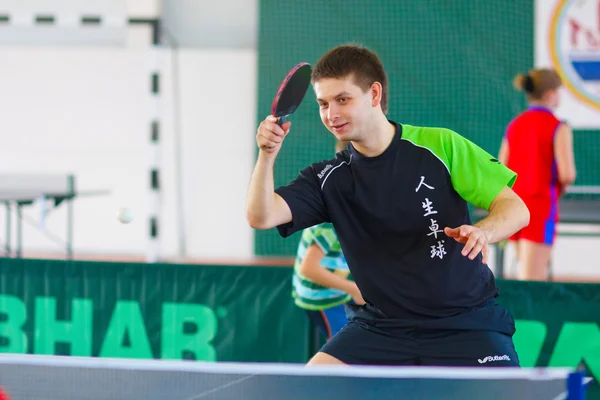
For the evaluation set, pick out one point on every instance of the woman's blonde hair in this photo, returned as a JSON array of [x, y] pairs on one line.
[[537, 82]]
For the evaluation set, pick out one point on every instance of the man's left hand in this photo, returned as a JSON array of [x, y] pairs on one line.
[[475, 239]]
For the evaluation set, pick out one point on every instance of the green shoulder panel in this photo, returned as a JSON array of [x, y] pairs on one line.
[[476, 175]]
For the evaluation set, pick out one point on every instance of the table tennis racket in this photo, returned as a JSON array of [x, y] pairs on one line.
[[291, 92]]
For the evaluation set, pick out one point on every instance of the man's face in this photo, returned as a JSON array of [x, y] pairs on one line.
[[345, 109]]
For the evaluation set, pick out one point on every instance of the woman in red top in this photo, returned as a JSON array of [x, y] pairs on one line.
[[539, 148]]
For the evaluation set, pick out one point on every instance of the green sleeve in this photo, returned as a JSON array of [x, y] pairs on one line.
[[325, 237], [477, 176]]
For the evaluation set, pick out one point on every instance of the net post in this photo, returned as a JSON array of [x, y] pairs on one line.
[[575, 386]]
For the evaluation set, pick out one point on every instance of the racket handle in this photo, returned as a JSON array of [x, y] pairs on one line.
[[281, 120]]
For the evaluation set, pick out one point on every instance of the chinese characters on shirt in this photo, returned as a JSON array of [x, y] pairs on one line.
[[437, 249]]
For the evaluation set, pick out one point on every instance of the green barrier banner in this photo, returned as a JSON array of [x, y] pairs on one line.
[[209, 313], [558, 324], [236, 313]]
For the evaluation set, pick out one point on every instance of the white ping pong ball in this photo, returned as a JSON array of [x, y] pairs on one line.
[[125, 215]]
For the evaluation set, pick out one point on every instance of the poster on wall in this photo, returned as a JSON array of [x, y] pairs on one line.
[[567, 38]]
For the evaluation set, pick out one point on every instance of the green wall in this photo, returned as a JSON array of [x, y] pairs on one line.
[[450, 64]]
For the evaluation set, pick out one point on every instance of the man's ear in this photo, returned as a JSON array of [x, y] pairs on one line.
[[376, 91]]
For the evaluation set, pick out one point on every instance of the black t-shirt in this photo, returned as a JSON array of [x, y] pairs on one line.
[[389, 213]]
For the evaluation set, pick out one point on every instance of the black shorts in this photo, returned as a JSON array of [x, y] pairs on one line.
[[371, 340]]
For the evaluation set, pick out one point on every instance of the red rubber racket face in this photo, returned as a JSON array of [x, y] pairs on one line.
[[291, 91]]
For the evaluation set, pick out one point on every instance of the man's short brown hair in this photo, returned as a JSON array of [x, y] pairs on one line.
[[356, 61]]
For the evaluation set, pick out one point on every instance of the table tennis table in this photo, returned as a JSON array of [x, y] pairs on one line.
[[20, 190], [28, 377], [580, 205]]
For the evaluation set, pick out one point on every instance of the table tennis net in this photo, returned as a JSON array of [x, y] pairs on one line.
[[36, 377]]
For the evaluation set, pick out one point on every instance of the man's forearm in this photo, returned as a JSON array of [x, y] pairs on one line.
[[260, 191], [505, 218]]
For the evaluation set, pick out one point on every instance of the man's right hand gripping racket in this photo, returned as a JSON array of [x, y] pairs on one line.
[[291, 92]]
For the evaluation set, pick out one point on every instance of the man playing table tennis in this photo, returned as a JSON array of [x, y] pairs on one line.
[[397, 197]]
